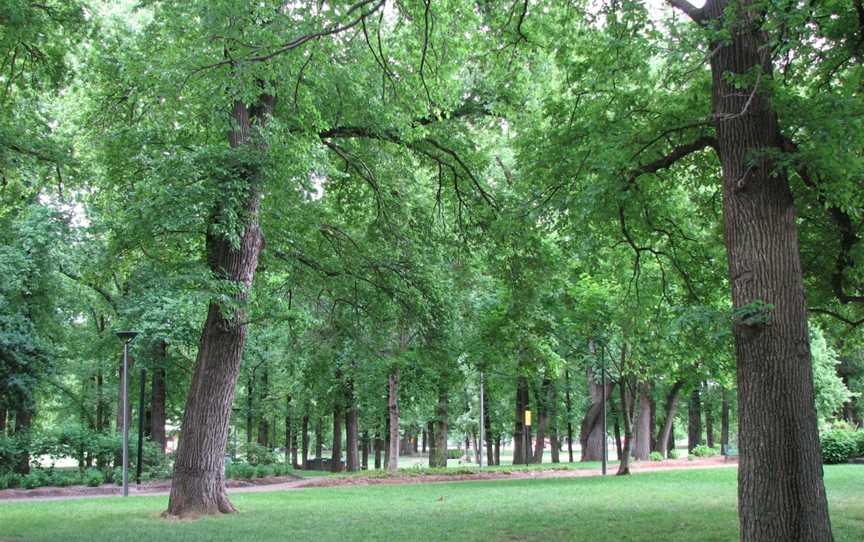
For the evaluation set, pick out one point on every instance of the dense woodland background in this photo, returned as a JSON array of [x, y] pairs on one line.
[[368, 205]]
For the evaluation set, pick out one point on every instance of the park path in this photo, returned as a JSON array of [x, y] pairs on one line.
[[293, 483]]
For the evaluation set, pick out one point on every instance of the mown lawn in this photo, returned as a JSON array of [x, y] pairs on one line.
[[667, 506]]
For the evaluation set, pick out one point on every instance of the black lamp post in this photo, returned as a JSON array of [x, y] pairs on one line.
[[126, 337]]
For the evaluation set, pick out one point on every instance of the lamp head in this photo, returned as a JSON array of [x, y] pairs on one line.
[[127, 336]]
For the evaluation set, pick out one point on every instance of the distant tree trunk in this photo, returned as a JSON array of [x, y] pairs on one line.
[[542, 420], [393, 413], [438, 455], [591, 435], [23, 421], [352, 459], [263, 426], [430, 435], [288, 430], [100, 401], [477, 448], [415, 440], [497, 449], [642, 448], [487, 429], [520, 432], [666, 434], [304, 440], [627, 417], [158, 393], [569, 405], [554, 444], [386, 448], [694, 425], [616, 427], [378, 445], [294, 462], [336, 449], [249, 389], [709, 425], [364, 451], [319, 442], [424, 435], [724, 424]]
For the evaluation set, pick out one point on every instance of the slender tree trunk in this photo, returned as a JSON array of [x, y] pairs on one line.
[[498, 449], [542, 420], [336, 449], [665, 436], [709, 424], [158, 393], [438, 456], [378, 444], [487, 428], [477, 447], [591, 435], [352, 458], [364, 451], [627, 417], [569, 406], [694, 425], [393, 413], [777, 416], [304, 441], [724, 424], [554, 444], [520, 431], [616, 426], [263, 426], [288, 439], [642, 448], [424, 435], [319, 442], [430, 434]]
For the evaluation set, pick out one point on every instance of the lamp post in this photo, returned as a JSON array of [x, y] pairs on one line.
[[126, 337], [525, 431], [480, 448], [603, 385]]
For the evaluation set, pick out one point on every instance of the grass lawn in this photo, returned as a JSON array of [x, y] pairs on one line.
[[668, 506]]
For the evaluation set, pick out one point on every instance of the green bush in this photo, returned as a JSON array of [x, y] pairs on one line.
[[256, 454], [454, 453], [859, 438], [838, 445], [704, 451], [95, 477], [10, 480], [674, 454], [655, 456], [36, 478], [263, 471], [240, 471]]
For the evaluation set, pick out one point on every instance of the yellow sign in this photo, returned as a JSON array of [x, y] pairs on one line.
[[528, 418]]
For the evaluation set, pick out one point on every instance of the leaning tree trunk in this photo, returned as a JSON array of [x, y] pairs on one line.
[[781, 495], [438, 454], [198, 485], [393, 416], [591, 435], [642, 447], [664, 437]]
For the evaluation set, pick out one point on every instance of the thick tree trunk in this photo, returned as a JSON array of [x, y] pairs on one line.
[[521, 434], [393, 414], [591, 434], [438, 455], [352, 458], [665, 435], [304, 440], [158, 393], [336, 449], [23, 422], [780, 488], [542, 420], [642, 445], [694, 425], [724, 424]]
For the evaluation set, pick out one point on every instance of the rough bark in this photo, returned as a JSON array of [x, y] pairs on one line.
[[665, 435], [591, 433], [694, 423], [781, 495], [198, 485], [438, 455], [23, 420], [642, 444], [393, 414], [304, 440], [627, 417], [319, 442]]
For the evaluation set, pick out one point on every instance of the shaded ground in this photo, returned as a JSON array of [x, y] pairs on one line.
[[405, 476]]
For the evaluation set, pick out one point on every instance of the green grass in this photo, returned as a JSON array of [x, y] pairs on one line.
[[668, 506]]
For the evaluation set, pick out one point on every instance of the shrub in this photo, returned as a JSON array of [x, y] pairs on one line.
[[263, 471], [10, 480], [454, 453], [258, 455], [838, 445], [655, 456], [36, 478], [240, 471], [859, 437], [95, 478], [704, 451], [674, 454]]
